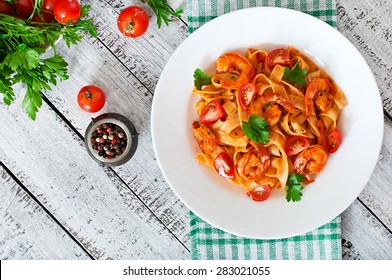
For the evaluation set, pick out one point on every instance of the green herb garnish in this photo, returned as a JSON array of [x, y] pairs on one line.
[[163, 11], [21, 47], [293, 187], [256, 129], [295, 75], [201, 79]]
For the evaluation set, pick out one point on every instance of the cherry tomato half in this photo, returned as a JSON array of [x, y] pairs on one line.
[[260, 193], [296, 144], [212, 112], [278, 56], [334, 140], [91, 98], [66, 11], [246, 94], [224, 165], [132, 21]]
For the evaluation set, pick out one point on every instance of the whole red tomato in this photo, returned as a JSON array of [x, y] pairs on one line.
[[5, 8], [48, 5], [133, 21], [25, 7], [66, 11], [91, 98]]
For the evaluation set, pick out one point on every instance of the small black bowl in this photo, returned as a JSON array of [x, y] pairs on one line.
[[130, 133]]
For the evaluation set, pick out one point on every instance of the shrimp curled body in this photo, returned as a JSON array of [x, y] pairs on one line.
[[254, 164], [269, 106], [236, 64], [321, 92], [205, 137], [312, 160]]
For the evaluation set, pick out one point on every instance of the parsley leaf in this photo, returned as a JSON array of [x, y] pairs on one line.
[[201, 79], [256, 129], [295, 75], [293, 187], [21, 47]]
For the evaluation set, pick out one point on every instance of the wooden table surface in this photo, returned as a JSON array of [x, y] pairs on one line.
[[56, 203]]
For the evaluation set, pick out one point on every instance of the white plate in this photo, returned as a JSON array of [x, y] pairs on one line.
[[225, 205]]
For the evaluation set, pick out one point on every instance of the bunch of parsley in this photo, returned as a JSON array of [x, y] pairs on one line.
[[21, 47]]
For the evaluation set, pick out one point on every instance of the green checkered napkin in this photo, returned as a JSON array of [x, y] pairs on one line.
[[210, 243]]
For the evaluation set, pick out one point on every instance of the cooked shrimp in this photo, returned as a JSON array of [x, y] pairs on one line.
[[312, 160], [267, 106], [321, 92], [254, 164], [236, 63], [205, 137]]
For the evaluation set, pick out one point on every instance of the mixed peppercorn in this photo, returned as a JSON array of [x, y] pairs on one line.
[[109, 140]]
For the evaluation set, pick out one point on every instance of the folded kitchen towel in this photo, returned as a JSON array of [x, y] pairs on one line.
[[209, 243]]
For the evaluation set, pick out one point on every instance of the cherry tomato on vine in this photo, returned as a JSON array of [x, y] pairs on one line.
[[91, 98], [5, 8], [334, 140], [132, 21], [246, 94], [66, 11], [48, 5], [224, 165], [296, 144], [260, 193], [278, 56], [25, 7]]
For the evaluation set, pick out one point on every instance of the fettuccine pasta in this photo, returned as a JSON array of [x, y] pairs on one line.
[[266, 116]]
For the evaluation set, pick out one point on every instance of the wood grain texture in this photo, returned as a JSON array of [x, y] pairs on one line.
[[368, 25], [130, 212], [91, 202], [27, 231]]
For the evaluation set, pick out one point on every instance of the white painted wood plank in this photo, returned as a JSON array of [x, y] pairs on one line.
[[368, 25], [364, 237], [95, 64], [90, 201], [27, 231]]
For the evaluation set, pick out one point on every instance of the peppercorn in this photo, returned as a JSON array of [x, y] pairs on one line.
[[109, 140]]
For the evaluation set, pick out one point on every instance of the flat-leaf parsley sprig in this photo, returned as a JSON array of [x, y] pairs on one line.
[[294, 188], [295, 75], [256, 129], [21, 47]]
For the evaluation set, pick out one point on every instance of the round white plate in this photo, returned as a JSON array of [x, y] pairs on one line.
[[225, 205]]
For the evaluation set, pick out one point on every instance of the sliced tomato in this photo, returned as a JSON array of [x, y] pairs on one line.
[[296, 144], [334, 140], [260, 193], [212, 112], [278, 56], [224, 165], [246, 94]]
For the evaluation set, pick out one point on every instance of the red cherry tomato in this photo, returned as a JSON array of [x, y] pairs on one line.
[[45, 16], [260, 193], [278, 56], [212, 112], [132, 21], [48, 5], [25, 7], [66, 11], [296, 144], [5, 8], [224, 165], [246, 94], [91, 99], [334, 140]]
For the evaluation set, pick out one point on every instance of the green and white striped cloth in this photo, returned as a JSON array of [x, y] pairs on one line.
[[207, 242]]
